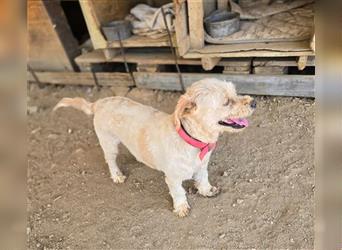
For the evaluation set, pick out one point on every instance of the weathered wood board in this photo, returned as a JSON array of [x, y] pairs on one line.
[[51, 43], [281, 49], [181, 27], [153, 57], [280, 85], [84, 78], [283, 61], [195, 19]]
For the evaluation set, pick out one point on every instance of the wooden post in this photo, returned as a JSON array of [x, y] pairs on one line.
[[208, 63], [196, 29], [312, 43], [93, 24], [181, 27]]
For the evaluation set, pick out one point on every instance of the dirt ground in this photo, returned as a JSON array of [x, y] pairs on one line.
[[266, 175]]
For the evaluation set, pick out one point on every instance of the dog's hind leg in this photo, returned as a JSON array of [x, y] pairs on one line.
[[109, 144]]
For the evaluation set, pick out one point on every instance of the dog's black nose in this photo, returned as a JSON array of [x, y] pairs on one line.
[[253, 104]]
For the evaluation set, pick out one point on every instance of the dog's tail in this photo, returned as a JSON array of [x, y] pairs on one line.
[[77, 103]]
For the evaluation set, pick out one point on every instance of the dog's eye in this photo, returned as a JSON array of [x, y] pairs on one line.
[[226, 103]]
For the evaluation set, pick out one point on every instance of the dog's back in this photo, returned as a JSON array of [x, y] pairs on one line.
[[122, 119]]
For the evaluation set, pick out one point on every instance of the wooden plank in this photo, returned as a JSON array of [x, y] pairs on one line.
[[51, 44], [270, 70], [153, 57], [281, 61], [181, 27], [282, 85], [85, 78], [143, 41], [93, 24], [208, 63], [256, 53], [196, 29], [241, 47], [236, 70], [280, 49], [62, 28]]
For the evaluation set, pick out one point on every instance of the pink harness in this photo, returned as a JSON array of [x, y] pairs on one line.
[[204, 147]]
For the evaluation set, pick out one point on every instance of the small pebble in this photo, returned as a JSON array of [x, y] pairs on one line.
[[35, 130], [69, 131], [239, 201], [221, 236], [32, 109], [52, 136], [225, 173], [292, 240]]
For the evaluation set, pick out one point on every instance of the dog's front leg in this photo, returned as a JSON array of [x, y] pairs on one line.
[[177, 192], [202, 183]]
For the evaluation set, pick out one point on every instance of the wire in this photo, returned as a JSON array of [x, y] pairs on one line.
[[173, 51], [125, 60]]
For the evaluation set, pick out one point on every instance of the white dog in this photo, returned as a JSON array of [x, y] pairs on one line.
[[179, 144]]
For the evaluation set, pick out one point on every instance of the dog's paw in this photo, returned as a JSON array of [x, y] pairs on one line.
[[212, 192], [182, 210], [119, 178]]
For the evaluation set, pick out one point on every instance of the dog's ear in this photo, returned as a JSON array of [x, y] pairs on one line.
[[184, 107]]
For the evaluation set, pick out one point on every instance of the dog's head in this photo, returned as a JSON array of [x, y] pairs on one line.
[[214, 105]]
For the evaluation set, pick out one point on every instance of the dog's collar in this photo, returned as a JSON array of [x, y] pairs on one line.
[[204, 147]]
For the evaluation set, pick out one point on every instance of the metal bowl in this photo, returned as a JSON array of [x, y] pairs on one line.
[[113, 29], [221, 23]]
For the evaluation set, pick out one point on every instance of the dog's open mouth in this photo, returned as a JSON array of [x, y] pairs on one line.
[[235, 123]]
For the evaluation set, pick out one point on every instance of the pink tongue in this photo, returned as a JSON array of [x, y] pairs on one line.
[[240, 121]]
